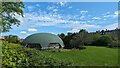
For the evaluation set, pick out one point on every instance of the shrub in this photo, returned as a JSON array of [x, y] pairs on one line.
[[114, 44], [102, 41], [18, 56]]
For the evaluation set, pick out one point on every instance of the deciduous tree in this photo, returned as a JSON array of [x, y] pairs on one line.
[[8, 13]]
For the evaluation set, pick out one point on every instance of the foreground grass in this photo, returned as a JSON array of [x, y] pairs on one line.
[[91, 56]]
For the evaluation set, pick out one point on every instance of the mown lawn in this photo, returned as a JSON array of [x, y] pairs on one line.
[[91, 56]]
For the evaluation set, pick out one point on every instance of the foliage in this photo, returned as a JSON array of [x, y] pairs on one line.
[[99, 38], [62, 36], [83, 30], [13, 56], [79, 39], [76, 42], [17, 56], [103, 41], [66, 39], [8, 13], [115, 44], [13, 39]]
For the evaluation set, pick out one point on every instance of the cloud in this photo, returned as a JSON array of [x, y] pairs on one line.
[[116, 12], [74, 31], [62, 3], [57, 20], [83, 12], [23, 32], [70, 7], [96, 18], [30, 8], [114, 15], [32, 29], [111, 26], [43, 18], [53, 7], [104, 19], [108, 13], [82, 17], [37, 5], [55, 10]]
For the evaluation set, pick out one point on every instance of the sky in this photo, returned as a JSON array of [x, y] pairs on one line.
[[64, 17]]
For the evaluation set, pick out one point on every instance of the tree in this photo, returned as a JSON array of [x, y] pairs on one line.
[[75, 42], [13, 39], [67, 39], [62, 36], [83, 36], [104, 40], [102, 32], [8, 13], [83, 30], [79, 39]]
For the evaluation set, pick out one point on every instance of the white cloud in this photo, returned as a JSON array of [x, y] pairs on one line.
[[23, 32], [111, 26], [96, 18], [62, 3], [104, 19], [70, 7], [116, 12], [73, 31], [37, 5], [84, 11], [34, 19], [52, 7], [55, 10], [30, 8], [82, 17], [32, 29], [114, 15], [108, 16], [108, 13]]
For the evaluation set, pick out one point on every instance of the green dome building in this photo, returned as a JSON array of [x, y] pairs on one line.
[[43, 41]]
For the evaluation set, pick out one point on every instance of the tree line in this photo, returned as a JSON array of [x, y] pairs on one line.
[[108, 38]]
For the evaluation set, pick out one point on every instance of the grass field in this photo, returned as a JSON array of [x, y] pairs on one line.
[[91, 56]]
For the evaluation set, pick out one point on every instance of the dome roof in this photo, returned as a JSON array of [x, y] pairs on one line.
[[44, 39]]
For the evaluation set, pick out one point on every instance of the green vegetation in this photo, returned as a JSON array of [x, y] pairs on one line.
[[108, 38], [14, 55], [91, 56], [8, 11], [104, 40]]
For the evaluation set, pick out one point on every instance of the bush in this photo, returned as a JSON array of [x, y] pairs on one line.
[[102, 41], [114, 44], [18, 56]]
